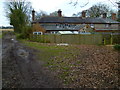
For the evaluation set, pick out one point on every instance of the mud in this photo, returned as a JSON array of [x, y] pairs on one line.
[[21, 69]]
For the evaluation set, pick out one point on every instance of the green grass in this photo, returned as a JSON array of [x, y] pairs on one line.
[[46, 51]]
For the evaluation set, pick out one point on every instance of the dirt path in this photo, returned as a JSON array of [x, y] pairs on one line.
[[21, 69]]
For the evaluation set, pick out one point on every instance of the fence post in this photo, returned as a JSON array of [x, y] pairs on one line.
[[111, 39], [54, 39], [79, 38], [30, 37], [104, 41], [60, 38], [43, 39], [37, 38]]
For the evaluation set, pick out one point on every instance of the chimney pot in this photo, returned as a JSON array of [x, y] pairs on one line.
[[114, 16], [59, 13], [104, 15], [33, 15], [83, 14]]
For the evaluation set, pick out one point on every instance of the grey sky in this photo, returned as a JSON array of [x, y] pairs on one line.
[[53, 5]]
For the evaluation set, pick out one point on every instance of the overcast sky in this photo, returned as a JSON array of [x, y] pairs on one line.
[[53, 5]]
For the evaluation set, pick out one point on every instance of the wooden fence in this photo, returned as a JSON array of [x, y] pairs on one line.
[[89, 39]]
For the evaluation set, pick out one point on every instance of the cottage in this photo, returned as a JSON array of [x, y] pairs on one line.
[[81, 24]]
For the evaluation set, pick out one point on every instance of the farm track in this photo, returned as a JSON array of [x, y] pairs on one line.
[[20, 69]]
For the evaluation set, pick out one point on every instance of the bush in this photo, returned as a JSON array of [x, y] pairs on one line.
[[117, 47], [20, 36], [25, 33]]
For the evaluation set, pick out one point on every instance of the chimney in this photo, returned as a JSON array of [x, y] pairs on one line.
[[104, 15], [114, 16], [33, 15], [59, 13], [83, 14]]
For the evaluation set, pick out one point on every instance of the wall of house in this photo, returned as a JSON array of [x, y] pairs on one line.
[[106, 26]]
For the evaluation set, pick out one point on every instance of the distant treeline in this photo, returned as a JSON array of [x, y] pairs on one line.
[[7, 27]]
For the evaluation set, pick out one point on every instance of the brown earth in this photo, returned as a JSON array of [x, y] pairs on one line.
[[91, 67]]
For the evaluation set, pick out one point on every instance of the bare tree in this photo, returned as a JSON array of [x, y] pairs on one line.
[[97, 10], [54, 13], [40, 14], [77, 2]]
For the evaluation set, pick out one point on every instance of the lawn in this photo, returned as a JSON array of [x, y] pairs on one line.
[[80, 65]]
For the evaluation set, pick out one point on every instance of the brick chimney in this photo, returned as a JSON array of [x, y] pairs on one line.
[[104, 15], [113, 16], [83, 14], [33, 15], [59, 13]]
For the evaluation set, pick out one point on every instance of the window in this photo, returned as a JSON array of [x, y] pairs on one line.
[[106, 25], [37, 33], [92, 25]]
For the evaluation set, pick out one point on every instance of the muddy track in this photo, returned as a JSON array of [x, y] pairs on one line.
[[21, 69]]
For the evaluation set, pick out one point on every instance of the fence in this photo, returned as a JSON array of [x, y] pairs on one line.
[[89, 39]]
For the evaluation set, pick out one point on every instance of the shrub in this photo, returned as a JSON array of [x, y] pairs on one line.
[[117, 47], [20, 36], [25, 33]]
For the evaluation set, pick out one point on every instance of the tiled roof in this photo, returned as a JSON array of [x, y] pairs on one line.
[[100, 20], [61, 27], [75, 20]]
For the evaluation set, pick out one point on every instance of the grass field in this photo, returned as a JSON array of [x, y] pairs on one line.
[[6, 29]]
